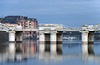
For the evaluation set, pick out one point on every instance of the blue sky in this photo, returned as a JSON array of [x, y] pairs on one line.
[[74, 13]]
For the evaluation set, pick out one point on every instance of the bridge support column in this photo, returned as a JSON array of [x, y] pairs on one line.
[[12, 36], [19, 37], [59, 37], [41, 37], [53, 40], [42, 42], [85, 37], [59, 42], [91, 37]]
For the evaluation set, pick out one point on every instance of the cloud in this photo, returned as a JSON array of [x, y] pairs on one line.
[[52, 6], [55, 11]]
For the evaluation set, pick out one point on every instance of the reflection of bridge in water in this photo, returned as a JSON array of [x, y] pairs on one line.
[[21, 52]]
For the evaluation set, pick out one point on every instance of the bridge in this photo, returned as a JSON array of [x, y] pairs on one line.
[[51, 32]]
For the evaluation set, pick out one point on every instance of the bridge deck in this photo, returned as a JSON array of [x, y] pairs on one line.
[[26, 29]]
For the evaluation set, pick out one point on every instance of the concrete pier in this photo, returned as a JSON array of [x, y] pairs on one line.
[[85, 37], [91, 37], [41, 37], [41, 42], [12, 36], [53, 40], [49, 34], [42, 46], [47, 37], [59, 36], [19, 37], [53, 37]]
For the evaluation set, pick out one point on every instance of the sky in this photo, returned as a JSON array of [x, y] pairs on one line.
[[72, 13]]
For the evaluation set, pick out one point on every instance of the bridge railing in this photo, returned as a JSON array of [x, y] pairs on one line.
[[71, 29], [91, 28]]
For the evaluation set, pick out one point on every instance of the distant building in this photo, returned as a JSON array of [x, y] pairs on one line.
[[1, 20], [24, 21], [29, 23]]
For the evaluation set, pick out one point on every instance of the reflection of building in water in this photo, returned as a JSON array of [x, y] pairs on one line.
[[45, 53], [20, 51], [30, 49]]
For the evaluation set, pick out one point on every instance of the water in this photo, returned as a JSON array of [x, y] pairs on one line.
[[28, 53]]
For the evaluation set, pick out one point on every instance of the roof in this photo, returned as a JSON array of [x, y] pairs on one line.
[[84, 25]]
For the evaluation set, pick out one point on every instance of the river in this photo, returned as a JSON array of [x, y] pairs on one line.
[[28, 53]]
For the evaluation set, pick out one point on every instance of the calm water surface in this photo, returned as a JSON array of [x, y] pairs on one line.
[[28, 53]]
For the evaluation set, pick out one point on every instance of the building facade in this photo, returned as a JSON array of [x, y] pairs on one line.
[[25, 22]]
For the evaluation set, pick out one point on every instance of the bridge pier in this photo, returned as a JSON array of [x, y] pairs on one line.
[[19, 37], [42, 42], [53, 40], [12, 36], [41, 37], [91, 37], [85, 37], [59, 42], [59, 36]]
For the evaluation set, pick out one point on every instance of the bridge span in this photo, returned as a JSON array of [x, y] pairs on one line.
[[51, 32]]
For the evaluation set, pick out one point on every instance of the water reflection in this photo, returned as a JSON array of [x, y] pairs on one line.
[[50, 51], [46, 51], [11, 51], [88, 52], [22, 51]]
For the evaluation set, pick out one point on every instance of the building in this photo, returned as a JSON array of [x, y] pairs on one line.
[[24, 21]]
